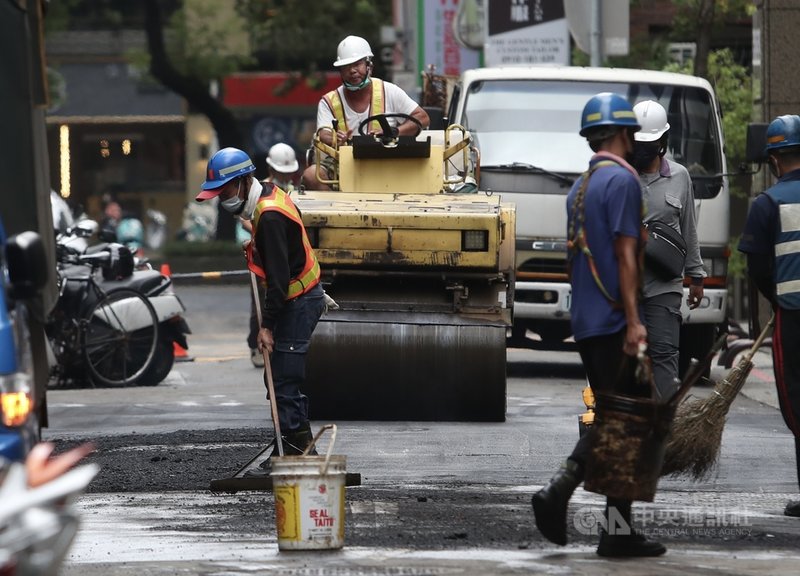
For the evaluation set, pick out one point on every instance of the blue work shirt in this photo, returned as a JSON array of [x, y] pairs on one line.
[[613, 207]]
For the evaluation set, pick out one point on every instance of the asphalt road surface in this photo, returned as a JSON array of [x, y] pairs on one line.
[[435, 498]]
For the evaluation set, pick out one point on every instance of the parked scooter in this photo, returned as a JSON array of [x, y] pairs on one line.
[[118, 275]]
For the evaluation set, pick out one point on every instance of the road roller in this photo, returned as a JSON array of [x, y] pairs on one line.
[[421, 264]]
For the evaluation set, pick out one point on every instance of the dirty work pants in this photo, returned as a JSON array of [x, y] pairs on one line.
[[662, 317], [292, 335]]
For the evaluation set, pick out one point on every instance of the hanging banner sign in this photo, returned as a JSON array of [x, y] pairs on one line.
[[526, 32]]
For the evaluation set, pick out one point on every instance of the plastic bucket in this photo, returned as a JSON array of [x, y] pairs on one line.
[[627, 441], [309, 499]]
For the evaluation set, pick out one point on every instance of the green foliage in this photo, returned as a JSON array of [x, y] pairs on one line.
[[733, 86], [684, 26], [737, 262]]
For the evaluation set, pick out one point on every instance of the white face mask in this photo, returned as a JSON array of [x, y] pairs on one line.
[[234, 204]]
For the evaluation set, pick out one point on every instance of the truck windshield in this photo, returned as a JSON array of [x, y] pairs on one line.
[[537, 122]]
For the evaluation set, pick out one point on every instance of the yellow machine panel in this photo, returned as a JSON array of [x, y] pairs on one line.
[[391, 175], [421, 264]]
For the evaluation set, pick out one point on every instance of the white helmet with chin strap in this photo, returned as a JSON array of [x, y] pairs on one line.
[[352, 49], [281, 158], [653, 119]]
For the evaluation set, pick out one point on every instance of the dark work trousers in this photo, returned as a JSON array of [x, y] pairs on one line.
[[662, 317], [608, 369], [786, 364], [293, 330]]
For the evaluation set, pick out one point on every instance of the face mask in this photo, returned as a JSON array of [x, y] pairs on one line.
[[355, 87], [643, 155], [234, 204], [773, 167]]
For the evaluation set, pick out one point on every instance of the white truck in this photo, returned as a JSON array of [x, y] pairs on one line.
[[525, 121]]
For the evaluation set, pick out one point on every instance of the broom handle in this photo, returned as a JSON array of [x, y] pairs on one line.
[[760, 339], [696, 369], [273, 402]]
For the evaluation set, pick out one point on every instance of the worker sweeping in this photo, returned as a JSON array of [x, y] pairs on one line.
[[771, 240], [281, 254]]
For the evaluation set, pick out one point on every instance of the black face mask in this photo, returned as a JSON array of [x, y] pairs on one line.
[[644, 153]]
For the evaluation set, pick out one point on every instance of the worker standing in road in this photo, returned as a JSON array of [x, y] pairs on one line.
[[359, 97], [771, 240], [283, 166], [604, 231], [669, 200], [281, 254]]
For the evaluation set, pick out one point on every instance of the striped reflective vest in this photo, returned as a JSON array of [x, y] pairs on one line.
[[377, 105], [279, 201], [787, 243]]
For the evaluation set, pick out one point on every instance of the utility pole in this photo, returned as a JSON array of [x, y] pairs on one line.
[[596, 33]]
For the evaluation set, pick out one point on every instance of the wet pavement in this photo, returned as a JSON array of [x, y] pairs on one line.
[[436, 498]]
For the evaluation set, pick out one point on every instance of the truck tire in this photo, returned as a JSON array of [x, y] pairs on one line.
[[696, 341]]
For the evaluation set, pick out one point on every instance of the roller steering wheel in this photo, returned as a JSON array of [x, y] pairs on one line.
[[388, 130]]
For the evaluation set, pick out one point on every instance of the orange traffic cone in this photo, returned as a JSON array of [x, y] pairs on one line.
[[165, 271], [181, 355]]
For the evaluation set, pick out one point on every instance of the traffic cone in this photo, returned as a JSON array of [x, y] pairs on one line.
[[165, 270], [181, 355]]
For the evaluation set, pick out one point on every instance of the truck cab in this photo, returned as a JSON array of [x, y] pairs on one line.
[[525, 122]]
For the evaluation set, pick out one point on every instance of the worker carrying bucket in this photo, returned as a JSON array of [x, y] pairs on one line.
[[604, 239], [280, 253]]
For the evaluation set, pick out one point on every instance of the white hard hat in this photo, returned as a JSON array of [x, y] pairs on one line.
[[352, 49], [653, 119], [281, 158]]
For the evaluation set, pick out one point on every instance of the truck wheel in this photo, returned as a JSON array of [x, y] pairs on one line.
[[696, 341]]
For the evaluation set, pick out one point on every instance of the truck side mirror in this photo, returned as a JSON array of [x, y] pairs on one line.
[[27, 265], [437, 118], [756, 142]]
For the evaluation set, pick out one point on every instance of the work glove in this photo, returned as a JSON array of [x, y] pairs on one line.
[[330, 303]]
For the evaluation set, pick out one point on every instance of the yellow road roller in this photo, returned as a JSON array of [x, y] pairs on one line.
[[421, 264]]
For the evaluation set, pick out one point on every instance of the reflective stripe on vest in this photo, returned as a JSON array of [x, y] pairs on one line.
[[279, 201], [787, 243], [376, 106]]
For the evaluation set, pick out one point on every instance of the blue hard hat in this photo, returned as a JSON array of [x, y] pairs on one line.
[[783, 132], [224, 166], [607, 109]]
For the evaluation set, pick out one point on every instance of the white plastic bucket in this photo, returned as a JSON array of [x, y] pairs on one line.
[[309, 499]]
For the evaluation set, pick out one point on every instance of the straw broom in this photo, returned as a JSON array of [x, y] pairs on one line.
[[693, 447]]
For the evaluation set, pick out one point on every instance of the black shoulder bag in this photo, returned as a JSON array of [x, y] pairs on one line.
[[665, 251]]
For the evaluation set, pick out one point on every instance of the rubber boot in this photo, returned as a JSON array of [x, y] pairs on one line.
[[619, 539], [550, 503], [296, 441], [294, 444]]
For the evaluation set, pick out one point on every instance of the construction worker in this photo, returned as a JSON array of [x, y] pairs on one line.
[[604, 231], [771, 241], [668, 199], [283, 166], [359, 97], [281, 254]]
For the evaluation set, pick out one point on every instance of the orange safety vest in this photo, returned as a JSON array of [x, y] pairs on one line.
[[376, 106], [309, 276]]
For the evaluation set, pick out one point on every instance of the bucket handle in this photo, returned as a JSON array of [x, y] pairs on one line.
[[322, 430]]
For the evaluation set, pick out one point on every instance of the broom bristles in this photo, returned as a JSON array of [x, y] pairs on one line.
[[693, 446]]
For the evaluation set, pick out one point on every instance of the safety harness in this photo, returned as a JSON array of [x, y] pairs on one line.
[[578, 241]]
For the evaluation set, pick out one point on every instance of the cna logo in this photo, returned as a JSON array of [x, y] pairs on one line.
[[589, 521]]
